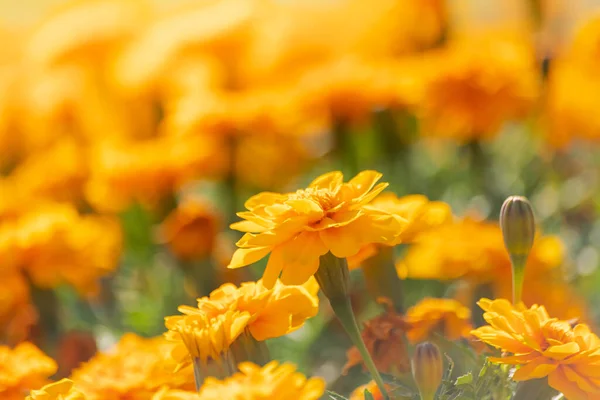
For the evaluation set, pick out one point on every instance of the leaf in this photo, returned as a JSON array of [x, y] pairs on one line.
[[368, 395], [464, 379], [335, 396]]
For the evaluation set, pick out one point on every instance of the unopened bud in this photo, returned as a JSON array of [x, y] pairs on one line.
[[427, 369], [518, 226]]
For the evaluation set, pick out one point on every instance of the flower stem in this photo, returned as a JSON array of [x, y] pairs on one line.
[[343, 310], [518, 275]]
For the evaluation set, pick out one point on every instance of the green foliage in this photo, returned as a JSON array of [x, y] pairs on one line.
[[492, 382]]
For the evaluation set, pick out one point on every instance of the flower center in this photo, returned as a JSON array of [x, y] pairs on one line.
[[323, 197]]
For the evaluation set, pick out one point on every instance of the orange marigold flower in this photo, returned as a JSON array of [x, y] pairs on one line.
[[384, 338], [22, 369], [297, 228], [448, 316], [17, 314], [147, 171], [134, 370], [474, 86], [55, 244], [359, 392], [421, 216], [190, 230], [208, 331], [543, 347], [274, 380], [61, 390]]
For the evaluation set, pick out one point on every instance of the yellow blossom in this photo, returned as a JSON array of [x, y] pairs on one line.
[[448, 316], [191, 229], [297, 228], [543, 347], [55, 244], [147, 171], [208, 331], [359, 392], [61, 390], [475, 85], [134, 370], [274, 380], [23, 368]]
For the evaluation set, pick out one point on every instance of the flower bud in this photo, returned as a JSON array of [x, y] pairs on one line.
[[518, 226], [427, 369]]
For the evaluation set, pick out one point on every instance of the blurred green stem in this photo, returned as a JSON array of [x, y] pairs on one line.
[[47, 305], [344, 147]]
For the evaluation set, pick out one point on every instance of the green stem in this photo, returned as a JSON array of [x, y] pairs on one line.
[[343, 310], [518, 275]]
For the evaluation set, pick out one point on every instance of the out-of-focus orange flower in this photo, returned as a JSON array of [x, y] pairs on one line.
[[54, 244], [23, 368], [421, 215], [206, 332], [74, 348], [384, 338], [475, 85], [61, 390], [297, 228], [274, 380], [69, 171], [359, 392], [176, 394], [17, 314], [447, 316], [543, 346], [191, 229], [135, 369], [147, 171]]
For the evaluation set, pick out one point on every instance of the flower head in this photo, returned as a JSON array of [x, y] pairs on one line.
[[543, 347], [297, 228], [427, 369], [61, 390], [447, 315], [17, 314], [274, 380], [208, 331], [191, 229], [134, 369], [22, 369], [359, 392]]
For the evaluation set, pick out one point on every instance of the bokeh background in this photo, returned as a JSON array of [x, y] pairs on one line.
[[132, 131]]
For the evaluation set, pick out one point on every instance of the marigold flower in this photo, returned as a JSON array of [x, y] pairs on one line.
[[148, 170], [190, 230], [17, 314], [427, 369], [474, 251], [297, 228], [359, 392], [384, 338], [543, 347], [447, 315], [55, 244], [23, 368], [135, 369], [421, 216], [208, 331], [476, 85], [274, 380], [61, 390]]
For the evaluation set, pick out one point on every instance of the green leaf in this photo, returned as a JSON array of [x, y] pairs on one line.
[[368, 395], [335, 396], [464, 380]]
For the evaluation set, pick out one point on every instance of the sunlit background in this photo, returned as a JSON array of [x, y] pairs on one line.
[[131, 132]]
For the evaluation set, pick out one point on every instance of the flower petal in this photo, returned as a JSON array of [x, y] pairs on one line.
[[243, 257]]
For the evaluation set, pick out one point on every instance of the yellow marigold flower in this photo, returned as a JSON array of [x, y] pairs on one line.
[[55, 244], [190, 230], [61, 390], [474, 250], [421, 216], [146, 171], [359, 392], [448, 316], [297, 228], [274, 380], [476, 85], [543, 346], [135, 369], [23, 368], [208, 331], [69, 171], [17, 314]]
